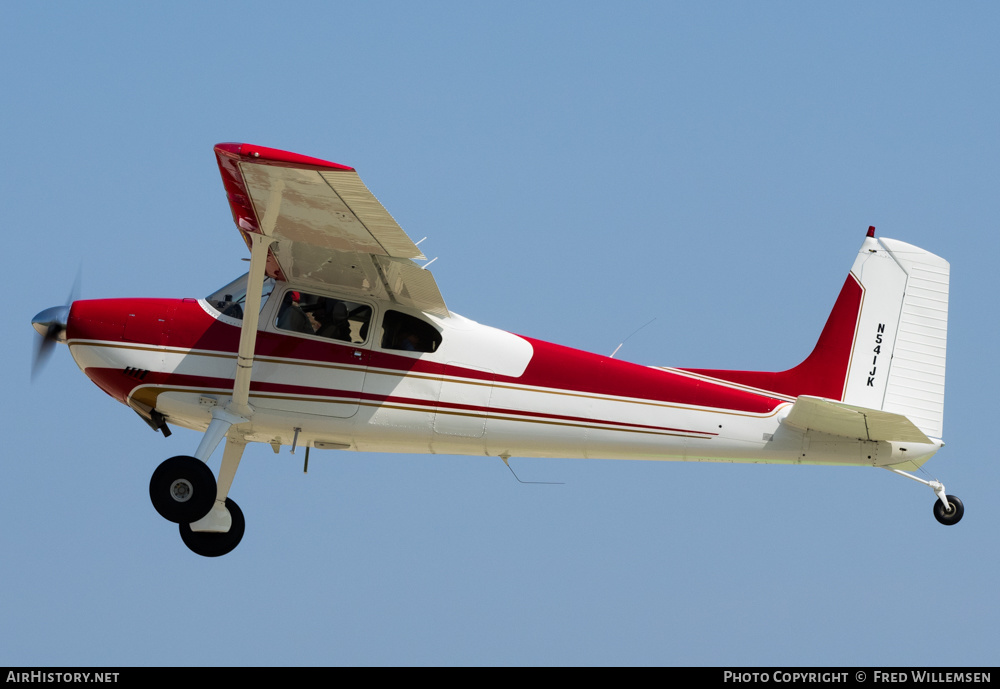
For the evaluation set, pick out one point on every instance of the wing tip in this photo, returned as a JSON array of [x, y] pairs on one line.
[[275, 156]]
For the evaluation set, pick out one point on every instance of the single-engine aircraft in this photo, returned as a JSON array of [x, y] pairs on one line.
[[337, 338]]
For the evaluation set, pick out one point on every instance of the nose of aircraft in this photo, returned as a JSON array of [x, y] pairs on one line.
[[51, 323]]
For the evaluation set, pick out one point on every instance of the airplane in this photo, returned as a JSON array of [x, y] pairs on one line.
[[337, 338]]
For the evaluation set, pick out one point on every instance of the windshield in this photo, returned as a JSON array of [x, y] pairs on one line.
[[229, 299]]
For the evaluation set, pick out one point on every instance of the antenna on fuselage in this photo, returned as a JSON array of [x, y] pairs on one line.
[[505, 457], [627, 339]]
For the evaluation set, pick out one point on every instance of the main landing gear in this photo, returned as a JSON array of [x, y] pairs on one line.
[[184, 491], [947, 508]]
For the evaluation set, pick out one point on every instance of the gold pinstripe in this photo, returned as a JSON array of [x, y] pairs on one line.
[[148, 394], [463, 381]]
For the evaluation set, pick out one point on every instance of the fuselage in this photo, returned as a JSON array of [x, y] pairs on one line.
[[482, 391]]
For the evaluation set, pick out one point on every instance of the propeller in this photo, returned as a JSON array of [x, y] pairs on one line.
[[51, 325]]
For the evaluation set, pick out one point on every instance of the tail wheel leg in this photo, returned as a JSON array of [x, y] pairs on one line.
[[947, 508]]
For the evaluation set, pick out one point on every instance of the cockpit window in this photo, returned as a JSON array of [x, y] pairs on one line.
[[230, 299], [407, 333], [335, 319]]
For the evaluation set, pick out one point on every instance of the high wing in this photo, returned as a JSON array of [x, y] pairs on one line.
[[328, 227]]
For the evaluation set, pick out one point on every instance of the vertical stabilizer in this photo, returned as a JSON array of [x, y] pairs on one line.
[[898, 362]]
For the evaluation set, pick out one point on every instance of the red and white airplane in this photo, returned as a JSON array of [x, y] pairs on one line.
[[338, 339]]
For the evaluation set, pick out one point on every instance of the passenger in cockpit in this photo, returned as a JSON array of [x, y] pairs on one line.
[[333, 320], [291, 316]]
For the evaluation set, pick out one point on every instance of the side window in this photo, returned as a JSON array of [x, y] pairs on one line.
[[334, 319], [404, 332]]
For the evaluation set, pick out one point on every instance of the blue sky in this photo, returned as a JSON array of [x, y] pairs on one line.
[[579, 169]]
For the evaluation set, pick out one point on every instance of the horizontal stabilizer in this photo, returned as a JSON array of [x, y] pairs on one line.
[[836, 418]]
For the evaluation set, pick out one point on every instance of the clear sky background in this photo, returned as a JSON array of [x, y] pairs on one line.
[[579, 169]]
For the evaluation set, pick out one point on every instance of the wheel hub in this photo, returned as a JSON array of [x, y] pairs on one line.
[[181, 490]]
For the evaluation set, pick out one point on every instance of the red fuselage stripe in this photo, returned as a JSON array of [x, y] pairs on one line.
[[183, 324]]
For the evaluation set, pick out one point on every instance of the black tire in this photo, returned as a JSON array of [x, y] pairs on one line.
[[948, 518], [209, 544], [182, 489]]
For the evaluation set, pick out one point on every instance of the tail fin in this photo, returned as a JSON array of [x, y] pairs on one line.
[[906, 303], [883, 346]]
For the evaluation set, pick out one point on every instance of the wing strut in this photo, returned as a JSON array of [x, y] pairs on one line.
[[251, 314], [239, 411]]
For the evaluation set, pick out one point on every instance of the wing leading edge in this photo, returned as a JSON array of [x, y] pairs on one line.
[[327, 226]]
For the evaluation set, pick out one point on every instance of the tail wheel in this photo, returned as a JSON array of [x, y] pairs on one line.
[[182, 489], [952, 516], [209, 544]]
